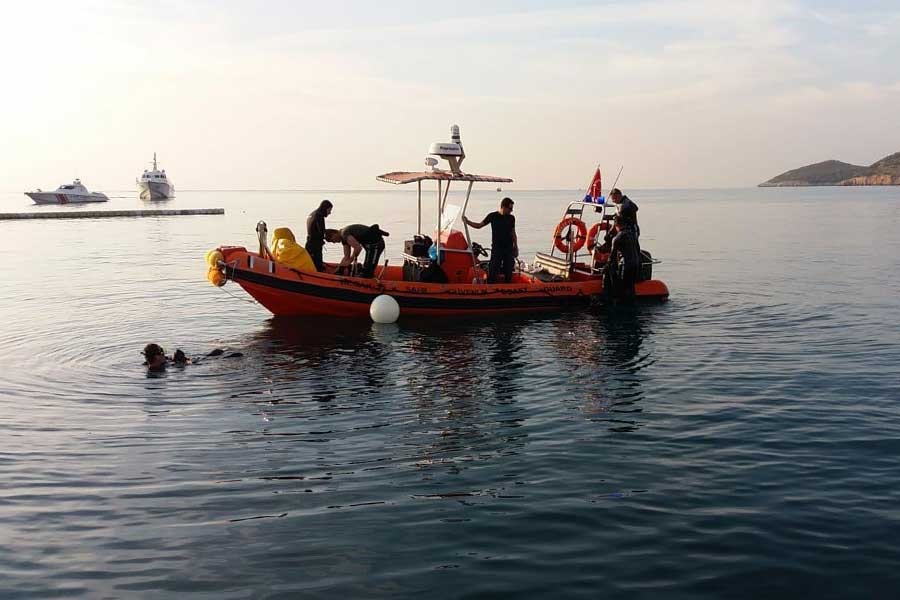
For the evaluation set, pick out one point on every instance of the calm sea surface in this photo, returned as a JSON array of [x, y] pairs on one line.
[[740, 441]]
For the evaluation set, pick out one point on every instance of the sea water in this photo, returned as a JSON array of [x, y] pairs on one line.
[[739, 441]]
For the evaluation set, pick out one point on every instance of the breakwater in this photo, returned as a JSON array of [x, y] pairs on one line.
[[106, 214]]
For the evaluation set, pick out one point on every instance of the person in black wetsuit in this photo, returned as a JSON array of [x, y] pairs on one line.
[[504, 242], [155, 358], [315, 233], [357, 237], [627, 210], [624, 263]]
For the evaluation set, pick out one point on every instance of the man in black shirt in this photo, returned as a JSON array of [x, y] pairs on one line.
[[357, 237], [504, 243], [315, 233]]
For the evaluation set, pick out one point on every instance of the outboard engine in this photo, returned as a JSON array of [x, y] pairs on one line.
[[646, 273]]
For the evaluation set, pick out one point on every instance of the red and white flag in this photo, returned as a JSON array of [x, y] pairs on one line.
[[594, 191]]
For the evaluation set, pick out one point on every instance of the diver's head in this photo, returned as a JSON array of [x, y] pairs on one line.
[[154, 357], [333, 236], [325, 207], [615, 195], [506, 206]]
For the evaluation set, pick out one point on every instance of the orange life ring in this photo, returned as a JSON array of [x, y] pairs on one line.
[[563, 243], [592, 234]]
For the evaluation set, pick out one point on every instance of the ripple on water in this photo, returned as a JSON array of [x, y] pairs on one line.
[[737, 441]]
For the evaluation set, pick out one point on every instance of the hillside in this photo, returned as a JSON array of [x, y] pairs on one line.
[[834, 172]]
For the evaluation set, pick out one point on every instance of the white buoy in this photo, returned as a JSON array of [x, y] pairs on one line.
[[384, 309]]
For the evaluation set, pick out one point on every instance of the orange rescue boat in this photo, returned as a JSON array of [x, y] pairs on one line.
[[555, 281]]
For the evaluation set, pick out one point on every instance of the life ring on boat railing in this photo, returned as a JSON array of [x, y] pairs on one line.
[[593, 232], [565, 243]]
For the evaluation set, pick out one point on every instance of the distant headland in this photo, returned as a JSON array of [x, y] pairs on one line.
[[834, 172]]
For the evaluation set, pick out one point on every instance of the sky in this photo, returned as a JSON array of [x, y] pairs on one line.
[[327, 95]]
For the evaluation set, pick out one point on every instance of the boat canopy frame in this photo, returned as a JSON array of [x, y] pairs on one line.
[[417, 177]]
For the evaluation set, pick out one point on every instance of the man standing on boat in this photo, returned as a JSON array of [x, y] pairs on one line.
[[627, 210], [504, 243], [624, 262], [315, 233]]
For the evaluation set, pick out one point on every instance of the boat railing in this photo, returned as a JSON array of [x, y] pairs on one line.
[[576, 209]]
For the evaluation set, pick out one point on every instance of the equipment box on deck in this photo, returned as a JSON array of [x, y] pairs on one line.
[[417, 247]]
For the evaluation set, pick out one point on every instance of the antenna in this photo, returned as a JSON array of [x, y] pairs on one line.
[[451, 152], [154, 161]]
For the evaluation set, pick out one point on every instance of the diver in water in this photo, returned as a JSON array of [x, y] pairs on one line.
[[155, 358]]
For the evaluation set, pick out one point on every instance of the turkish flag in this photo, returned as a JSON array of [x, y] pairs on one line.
[[595, 187]]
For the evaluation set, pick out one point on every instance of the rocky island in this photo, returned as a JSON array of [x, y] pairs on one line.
[[834, 172]]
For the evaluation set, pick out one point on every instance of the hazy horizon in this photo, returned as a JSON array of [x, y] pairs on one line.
[[291, 96]]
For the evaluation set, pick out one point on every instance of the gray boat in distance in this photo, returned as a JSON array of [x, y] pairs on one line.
[[155, 184]]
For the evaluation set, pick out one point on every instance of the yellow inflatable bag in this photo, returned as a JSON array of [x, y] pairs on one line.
[[281, 233], [293, 255]]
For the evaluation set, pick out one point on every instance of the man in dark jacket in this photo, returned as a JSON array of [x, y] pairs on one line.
[[627, 210], [504, 242], [624, 263], [315, 233], [357, 237]]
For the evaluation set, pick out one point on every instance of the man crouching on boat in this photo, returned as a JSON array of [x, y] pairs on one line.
[[355, 238]]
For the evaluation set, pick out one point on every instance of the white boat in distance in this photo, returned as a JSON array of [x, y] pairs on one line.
[[155, 185], [68, 193]]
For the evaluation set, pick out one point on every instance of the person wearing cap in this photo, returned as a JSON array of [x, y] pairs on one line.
[[315, 233], [504, 242], [357, 237]]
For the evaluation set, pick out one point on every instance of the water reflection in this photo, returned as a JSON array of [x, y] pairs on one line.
[[324, 356], [464, 378], [447, 393], [610, 365]]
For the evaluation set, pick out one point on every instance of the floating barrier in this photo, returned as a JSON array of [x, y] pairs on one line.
[[104, 214]]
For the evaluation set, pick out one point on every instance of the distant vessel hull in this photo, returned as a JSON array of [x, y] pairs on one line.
[[60, 198], [155, 190]]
